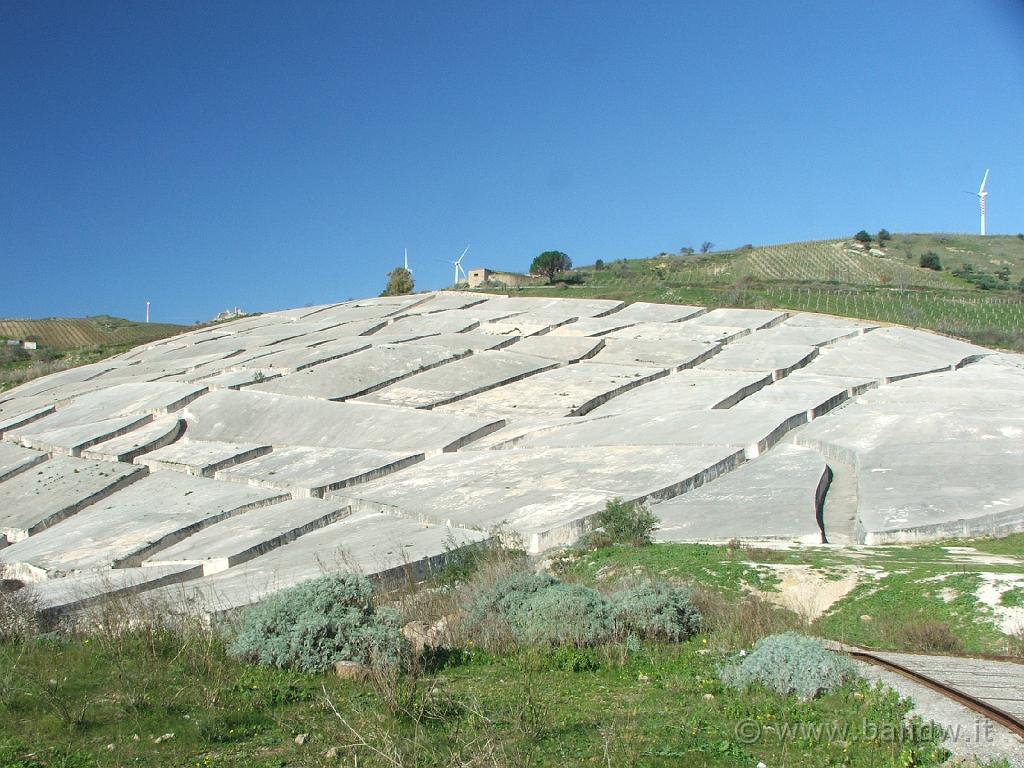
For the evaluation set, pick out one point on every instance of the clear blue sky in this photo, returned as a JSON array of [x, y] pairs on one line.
[[208, 154]]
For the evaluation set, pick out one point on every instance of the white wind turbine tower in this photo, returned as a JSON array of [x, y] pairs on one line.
[[982, 194], [458, 266]]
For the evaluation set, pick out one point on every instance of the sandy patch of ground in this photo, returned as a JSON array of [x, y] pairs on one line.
[[971, 555], [993, 585], [806, 591]]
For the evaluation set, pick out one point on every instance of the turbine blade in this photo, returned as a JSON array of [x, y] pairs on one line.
[[983, 182]]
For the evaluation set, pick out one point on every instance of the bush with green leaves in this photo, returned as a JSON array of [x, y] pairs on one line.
[[789, 663], [931, 260], [626, 522], [656, 611], [564, 614], [315, 624], [504, 599]]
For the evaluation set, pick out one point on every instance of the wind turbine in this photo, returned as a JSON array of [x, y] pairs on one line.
[[458, 266], [407, 261], [982, 194]]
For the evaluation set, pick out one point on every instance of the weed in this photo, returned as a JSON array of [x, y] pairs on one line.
[[922, 634]]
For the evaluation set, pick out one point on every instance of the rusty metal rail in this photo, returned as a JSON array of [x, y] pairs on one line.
[[1008, 721]]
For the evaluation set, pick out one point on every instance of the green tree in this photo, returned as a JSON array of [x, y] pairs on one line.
[[550, 263], [930, 260], [706, 246], [399, 282], [883, 236], [863, 237], [599, 265]]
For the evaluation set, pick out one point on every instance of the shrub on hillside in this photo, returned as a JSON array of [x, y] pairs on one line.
[[656, 612], [863, 237], [316, 624], [930, 260], [564, 614], [504, 599], [627, 522], [790, 663]]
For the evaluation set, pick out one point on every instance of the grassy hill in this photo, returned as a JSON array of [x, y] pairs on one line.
[[978, 294], [63, 334], [69, 342]]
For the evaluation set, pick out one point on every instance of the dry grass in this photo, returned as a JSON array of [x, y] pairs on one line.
[[733, 623], [922, 634]]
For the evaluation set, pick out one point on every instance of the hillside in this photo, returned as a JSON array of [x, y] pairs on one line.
[[69, 342], [976, 295], [63, 334]]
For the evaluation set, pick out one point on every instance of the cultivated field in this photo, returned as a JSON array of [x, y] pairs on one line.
[[836, 277], [62, 334]]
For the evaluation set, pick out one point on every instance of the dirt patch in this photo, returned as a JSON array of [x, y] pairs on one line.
[[809, 592], [1010, 619]]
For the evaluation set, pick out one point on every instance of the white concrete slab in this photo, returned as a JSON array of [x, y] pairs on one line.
[[380, 546], [149, 437], [129, 526], [15, 460], [672, 355], [46, 494], [570, 391], [562, 349], [243, 537], [311, 472], [460, 379], [201, 458], [361, 373], [280, 420], [544, 496], [775, 497]]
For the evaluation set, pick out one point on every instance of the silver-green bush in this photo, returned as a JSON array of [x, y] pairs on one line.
[[564, 614], [315, 624], [656, 611], [789, 663], [503, 600]]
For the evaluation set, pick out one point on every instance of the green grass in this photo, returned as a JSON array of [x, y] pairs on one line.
[[68, 343], [64, 334], [75, 703], [832, 277], [897, 586]]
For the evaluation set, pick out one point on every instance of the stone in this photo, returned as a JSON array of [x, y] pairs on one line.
[[362, 372], [34, 500], [136, 442], [390, 549], [14, 460], [775, 497], [281, 420], [351, 670], [127, 526], [546, 496], [307, 472], [568, 391], [241, 538], [460, 379], [201, 458]]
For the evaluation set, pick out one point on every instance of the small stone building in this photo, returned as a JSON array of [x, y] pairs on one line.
[[478, 277]]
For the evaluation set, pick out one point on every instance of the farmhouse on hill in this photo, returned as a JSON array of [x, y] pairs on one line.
[[478, 277]]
